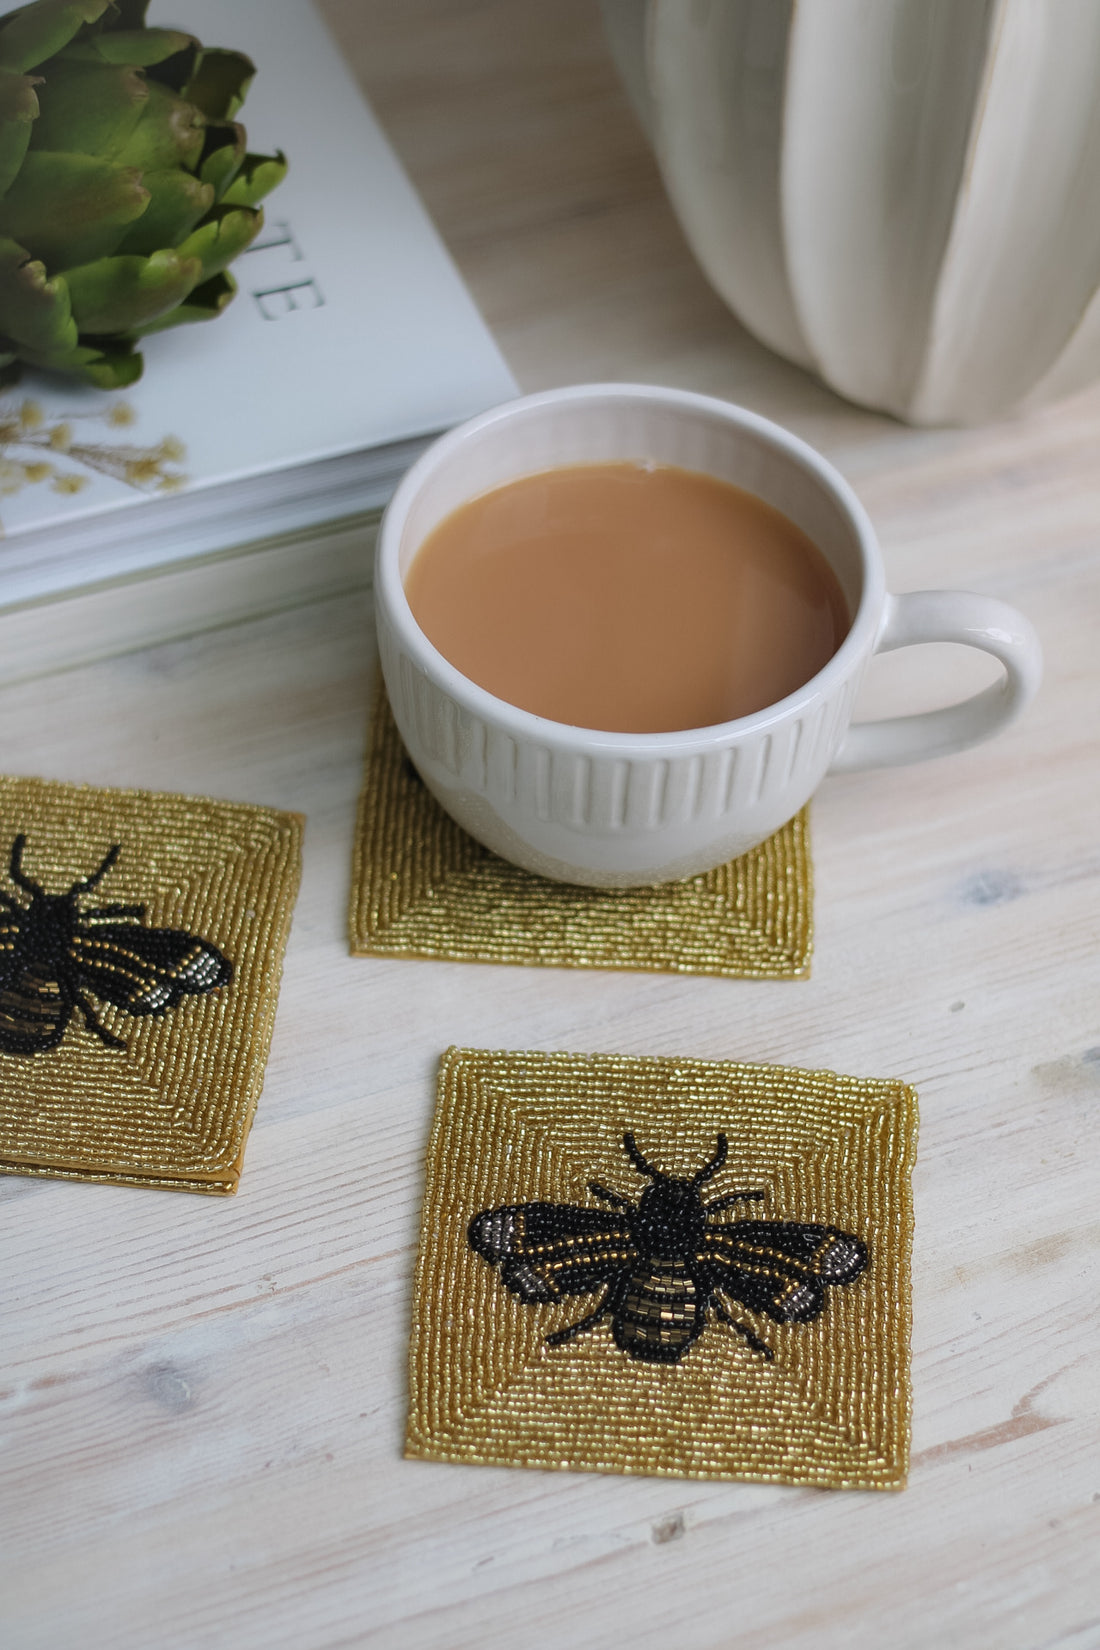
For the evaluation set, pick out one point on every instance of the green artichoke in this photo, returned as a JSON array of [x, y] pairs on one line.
[[125, 188]]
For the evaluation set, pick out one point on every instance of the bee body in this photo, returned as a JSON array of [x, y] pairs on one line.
[[666, 1262], [661, 1313], [55, 952]]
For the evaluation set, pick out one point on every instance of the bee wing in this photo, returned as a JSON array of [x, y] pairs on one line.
[[146, 970], [546, 1250], [781, 1267], [34, 1012]]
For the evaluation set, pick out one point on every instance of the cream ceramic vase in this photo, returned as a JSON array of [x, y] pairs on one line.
[[899, 195]]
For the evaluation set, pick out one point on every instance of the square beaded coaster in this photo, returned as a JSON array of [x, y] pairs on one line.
[[421, 887], [676, 1267], [141, 947]]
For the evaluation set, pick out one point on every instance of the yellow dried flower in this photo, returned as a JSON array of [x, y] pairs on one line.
[[31, 416], [61, 437], [172, 450], [121, 415], [37, 472], [69, 484], [139, 472]]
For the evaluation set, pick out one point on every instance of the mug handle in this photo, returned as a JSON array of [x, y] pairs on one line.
[[948, 616]]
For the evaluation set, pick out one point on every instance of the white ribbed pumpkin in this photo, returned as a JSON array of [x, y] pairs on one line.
[[901, 195]]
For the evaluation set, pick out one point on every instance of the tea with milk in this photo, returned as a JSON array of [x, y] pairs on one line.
[[632, 598]]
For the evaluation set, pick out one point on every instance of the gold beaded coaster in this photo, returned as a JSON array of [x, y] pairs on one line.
[[677, 1267], [421, 887], [141, 946]]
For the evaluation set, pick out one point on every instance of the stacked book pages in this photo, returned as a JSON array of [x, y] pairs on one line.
[[265, 440]]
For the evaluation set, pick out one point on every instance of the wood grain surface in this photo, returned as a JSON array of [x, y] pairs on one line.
[[202, 1402]]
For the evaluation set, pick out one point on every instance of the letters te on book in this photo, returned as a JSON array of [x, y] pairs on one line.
[[278, 301]]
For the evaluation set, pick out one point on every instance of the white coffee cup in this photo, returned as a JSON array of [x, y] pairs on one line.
[[615, 810]]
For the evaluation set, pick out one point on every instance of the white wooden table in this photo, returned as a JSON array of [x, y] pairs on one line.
[[202, 1401]]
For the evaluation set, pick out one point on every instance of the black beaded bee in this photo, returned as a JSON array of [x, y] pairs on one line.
[[53, 952], [666, 1261]]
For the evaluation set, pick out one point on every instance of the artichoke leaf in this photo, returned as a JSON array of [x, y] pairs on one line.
[[18, 111], [178, 201], [204, 303], [258, 175], [118, 294], [173, 70], [107, 366], [18, 98], [141, 47], [224, 234], [219, 83], [33, 33], [113, 370], [222, 155], [70, 209], [169, 133], [88, 108], [35, 312]]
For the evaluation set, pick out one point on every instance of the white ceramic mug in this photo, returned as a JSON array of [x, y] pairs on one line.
[[620, 809]]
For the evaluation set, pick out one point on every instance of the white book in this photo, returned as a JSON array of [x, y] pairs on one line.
[[351, 342]]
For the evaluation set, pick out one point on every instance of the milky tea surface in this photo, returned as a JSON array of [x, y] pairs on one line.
[[628, 598]]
